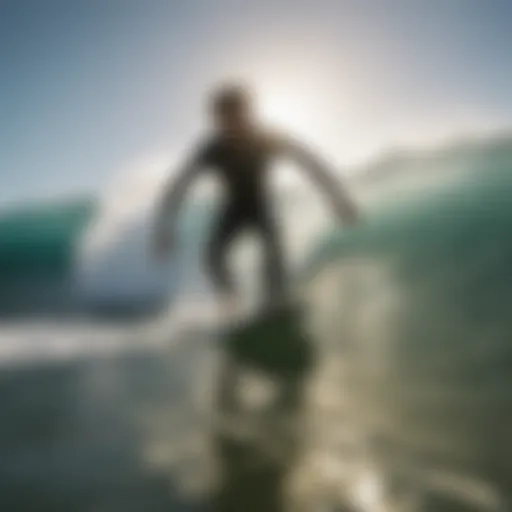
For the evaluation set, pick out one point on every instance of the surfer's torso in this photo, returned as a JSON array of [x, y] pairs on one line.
[[242, 164]]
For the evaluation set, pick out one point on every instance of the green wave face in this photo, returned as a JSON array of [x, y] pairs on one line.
[[39, 241], [417, 303]]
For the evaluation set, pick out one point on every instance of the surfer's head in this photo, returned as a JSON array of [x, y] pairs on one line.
[[232, 108]]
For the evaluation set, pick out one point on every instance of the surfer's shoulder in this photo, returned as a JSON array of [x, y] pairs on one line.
[[274, 139], [207, 148]]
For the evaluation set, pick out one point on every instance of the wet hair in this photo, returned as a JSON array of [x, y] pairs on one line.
[[230, 98]]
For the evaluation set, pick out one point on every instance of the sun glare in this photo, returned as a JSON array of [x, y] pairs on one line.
[[292, 107], [301, 91], [286, 111]]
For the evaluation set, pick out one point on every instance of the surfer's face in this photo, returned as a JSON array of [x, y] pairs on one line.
[[234, 121]]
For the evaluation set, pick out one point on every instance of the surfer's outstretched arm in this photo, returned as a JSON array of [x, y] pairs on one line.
[[321, 174], [168, 208]]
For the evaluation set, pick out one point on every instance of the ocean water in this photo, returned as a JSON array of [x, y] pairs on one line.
[[409, 406], [37, 251], [415, 307]]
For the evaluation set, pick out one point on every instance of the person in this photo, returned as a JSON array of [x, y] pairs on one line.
[[239, 151]]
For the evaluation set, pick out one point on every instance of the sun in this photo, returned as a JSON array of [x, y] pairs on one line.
[[319, 114], [289, 108]]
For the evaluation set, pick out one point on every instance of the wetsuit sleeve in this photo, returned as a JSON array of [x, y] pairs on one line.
[[177, 186], [322, 175]]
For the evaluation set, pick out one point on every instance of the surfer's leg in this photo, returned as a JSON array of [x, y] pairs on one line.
[[275, 280], [227, 226]]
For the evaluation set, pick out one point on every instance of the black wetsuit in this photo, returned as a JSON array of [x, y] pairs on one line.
[[242, 165]]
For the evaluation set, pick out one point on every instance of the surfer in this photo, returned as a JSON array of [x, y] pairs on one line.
[[239, 151]]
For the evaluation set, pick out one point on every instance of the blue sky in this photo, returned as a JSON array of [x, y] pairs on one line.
[[89, 86]]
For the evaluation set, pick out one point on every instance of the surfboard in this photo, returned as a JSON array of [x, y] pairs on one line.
[[273, 341]]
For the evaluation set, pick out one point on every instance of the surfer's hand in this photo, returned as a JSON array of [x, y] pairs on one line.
[[164, 243]]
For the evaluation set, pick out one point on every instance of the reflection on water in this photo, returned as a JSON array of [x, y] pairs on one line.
[[138, 432], [413, 317], [258, 437], [129, 432], [76, 436], [360, 432]]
